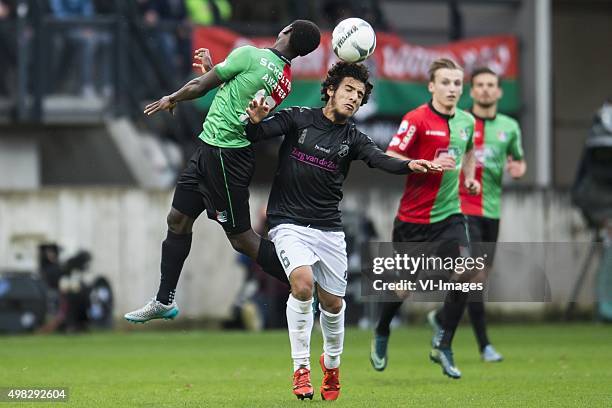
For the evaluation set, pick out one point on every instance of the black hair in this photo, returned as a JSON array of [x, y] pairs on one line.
[[305, 37], [341, 70], [484, 70]]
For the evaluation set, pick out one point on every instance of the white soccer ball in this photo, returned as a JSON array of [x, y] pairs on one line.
[[353, 40]]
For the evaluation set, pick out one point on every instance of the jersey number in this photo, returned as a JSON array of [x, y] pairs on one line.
[[284, 259]]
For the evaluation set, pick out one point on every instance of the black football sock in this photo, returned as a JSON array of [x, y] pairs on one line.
[[175, 249], [454, 304], [476, 311], [389, 310], [439, 317], [269, 262]]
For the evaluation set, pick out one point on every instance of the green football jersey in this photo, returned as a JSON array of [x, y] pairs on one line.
[[247, 72], [494, 140]]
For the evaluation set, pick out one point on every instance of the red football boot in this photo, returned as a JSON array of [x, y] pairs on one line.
[[302, 388], [330, 388]]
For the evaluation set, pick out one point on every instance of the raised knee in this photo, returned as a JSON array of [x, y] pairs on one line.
[[178, 222], [302, 288], [333, 307]]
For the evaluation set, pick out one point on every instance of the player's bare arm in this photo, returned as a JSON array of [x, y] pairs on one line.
[[424, 166], [193, 89], [469, 171], [417, 165], [446, 161]]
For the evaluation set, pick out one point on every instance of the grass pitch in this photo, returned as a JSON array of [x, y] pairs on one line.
[[551, 365]]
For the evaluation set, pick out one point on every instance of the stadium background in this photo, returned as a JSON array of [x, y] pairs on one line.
[[82, 167]]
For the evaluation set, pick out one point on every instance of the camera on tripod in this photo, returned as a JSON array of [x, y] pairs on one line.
[[592, 193], [592, 190]]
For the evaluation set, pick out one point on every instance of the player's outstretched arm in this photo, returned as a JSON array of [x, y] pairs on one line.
[[281, 123], [394, 163], [424, 166], [193, 89], [397, 155], [418, 165]]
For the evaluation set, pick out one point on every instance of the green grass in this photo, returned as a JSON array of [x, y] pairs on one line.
[[552, 365]]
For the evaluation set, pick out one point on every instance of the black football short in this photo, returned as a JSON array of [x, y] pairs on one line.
[[451, 233], [483, 236], [217, 180], [446, 238]]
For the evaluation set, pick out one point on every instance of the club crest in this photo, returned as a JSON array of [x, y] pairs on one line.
[[344, 149]]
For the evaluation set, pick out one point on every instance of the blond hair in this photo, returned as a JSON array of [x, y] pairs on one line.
[[441, 63]]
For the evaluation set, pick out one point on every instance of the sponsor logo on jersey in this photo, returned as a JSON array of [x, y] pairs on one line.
[[502, 136], [406, 139], [488, 157], [344, 149], [403, 126], [453, 152], [221, 216], [480, 155], [276, 79], [303, 134], [430, 132], [276, 72], [313, 160], [323, 149]]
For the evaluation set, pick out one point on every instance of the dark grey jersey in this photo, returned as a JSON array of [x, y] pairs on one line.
[[314, 160]]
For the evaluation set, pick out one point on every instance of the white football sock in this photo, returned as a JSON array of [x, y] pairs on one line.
[[299, 323], [332, 326]]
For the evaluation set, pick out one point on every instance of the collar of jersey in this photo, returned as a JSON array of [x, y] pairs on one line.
[[480, 117], [442, 115], [281, 56]]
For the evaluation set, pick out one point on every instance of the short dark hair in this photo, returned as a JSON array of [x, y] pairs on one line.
[[305, 37], [341, 70], [441, 63], [483, 70]]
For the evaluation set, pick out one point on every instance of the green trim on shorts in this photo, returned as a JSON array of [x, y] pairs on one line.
[[229, 198]]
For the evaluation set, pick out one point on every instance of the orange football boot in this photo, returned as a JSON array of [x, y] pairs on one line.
[[330, 388], [302, 388]]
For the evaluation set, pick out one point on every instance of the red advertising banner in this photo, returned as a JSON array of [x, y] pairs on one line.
[[394, 58], [398, 69]]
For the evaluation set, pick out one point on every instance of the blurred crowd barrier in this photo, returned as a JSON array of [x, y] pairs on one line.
[[123, 229]]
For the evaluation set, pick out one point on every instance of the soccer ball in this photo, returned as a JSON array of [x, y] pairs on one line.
[[353, 40]]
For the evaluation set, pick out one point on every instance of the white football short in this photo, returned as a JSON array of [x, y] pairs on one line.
[[324, 251]]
